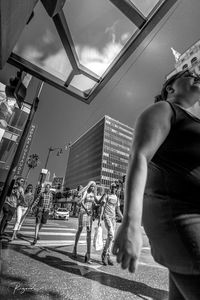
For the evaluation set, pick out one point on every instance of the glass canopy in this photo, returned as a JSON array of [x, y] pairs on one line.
[[82, 46]]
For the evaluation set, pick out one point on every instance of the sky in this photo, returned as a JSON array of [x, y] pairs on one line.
[[61, 118]]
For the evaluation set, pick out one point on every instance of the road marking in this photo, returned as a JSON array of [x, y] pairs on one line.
[[51, 233], [59, 231], [155, 265], [46, 228], [47, 243]]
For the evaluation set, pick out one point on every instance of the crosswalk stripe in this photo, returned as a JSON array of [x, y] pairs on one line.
[[48, 230], [153, 265], [45, 228], [49, 242], [51, 233], [45, 225]]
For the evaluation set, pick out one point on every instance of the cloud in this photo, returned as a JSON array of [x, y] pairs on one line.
[[98, 61], [48, 37], [125, 37], [60, 63], [31, 53], [111, 31], [57, 63]]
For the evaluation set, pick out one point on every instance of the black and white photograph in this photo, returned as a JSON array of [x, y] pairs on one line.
[[99, 157]]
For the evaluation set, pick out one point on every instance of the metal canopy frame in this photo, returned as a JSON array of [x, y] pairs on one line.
[[144, 24]]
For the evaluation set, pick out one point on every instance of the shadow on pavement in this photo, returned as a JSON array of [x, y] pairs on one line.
[[139, 289]]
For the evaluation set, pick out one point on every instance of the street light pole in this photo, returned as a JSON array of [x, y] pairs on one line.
[[47, 159]]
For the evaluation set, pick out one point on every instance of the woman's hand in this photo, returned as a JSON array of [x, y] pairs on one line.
[[99, 222], [127, 246]]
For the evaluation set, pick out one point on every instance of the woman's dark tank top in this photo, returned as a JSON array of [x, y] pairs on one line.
[[175, 168]]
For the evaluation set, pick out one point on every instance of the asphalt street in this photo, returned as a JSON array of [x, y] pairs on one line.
[[48, 271]]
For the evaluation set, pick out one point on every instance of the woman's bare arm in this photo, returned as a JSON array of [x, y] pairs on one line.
[[151, 130]]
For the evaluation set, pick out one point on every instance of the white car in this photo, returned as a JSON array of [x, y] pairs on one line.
[[61, 213]]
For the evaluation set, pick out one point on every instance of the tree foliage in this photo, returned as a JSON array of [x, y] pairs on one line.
[[33, 161]]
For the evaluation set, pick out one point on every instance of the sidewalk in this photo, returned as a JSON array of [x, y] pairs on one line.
[[51, 273]]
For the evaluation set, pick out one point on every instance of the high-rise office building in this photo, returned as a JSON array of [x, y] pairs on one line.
[[100, 154], [190, 59]]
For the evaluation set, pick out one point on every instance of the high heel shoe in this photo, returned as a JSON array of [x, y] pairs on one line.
[[14, 236], [104, 259], [88, 259], [74, 254]]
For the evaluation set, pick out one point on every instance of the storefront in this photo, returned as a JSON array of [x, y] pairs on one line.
[[12, 123]]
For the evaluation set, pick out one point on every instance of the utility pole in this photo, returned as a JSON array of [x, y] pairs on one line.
[[47, 159]]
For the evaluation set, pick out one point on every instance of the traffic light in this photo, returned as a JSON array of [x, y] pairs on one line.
[[16, 89]]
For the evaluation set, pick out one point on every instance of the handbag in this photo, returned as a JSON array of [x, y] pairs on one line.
[[98, 238]]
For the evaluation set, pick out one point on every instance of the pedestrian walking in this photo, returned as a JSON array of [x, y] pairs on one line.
[[43, 204], [163, 183], [76, 199], [110, 205], [11, 203], [23, 207], [97, 207], [85, 217]]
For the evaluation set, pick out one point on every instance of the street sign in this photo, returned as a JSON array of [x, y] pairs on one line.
[[44, 171], [25, 151]]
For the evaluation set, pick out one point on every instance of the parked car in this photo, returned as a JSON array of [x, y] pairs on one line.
[[61, 213], [51, 214]]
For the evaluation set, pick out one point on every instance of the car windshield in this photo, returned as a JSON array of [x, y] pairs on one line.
[[62, 210]]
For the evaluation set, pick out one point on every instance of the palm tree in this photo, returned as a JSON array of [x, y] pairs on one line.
[[32, 162]]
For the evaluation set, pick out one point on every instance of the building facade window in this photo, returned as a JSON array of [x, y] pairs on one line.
[[101, 154], [194, 60], [185, 66]]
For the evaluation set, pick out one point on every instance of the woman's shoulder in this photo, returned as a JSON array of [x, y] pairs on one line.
[[159, 107], [159, 112]]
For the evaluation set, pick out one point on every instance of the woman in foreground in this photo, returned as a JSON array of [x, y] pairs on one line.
[[163, 185]]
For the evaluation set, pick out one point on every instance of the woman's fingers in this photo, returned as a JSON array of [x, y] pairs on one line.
[[115, 247], [119, 256], [132, 265], [125, 261], [116, 250]]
